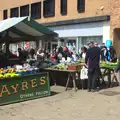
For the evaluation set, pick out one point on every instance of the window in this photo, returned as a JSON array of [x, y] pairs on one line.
[[24, 10], [14, 12], [36, 10], [63, 7], [5, 14], [81, 5], [96, 39], [49, 8]]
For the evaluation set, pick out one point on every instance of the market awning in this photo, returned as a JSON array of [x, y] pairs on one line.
[[22, 26]]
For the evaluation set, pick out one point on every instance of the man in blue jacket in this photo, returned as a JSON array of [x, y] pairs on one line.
[[92, 61]]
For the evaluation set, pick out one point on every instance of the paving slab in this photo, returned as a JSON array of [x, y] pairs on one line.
[[66, 105]]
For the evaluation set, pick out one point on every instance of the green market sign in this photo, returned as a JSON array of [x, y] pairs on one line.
[[24, 88]]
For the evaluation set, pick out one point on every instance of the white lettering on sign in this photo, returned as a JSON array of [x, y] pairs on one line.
[[22, 96], [26, 95], [42, 93]]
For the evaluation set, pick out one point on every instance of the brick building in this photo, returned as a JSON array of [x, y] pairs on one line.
[[76, 21], [115, 23]]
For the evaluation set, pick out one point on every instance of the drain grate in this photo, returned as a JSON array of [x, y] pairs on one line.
[[109, 93]]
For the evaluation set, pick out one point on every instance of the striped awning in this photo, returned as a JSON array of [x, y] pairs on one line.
[[22, 26]]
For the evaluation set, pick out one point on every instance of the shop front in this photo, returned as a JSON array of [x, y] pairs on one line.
[[81, 33]]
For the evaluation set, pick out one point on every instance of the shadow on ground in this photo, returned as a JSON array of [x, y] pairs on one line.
[[54, 93]]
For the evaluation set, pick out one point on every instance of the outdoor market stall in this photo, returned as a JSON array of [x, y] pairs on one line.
[[17, 82], [72, 70], [71, 73], [109, 71]]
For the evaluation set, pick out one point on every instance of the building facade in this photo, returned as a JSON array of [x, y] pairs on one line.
[[76, 21], [115, 23]]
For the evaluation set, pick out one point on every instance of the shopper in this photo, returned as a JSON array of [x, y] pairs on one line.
[[96, 44], [103, 49], [25, 53], [40, 55], [53, 55], [92, 61], [32, 53], [59, 54], [83, 52], [113, 55], [21, 55], [67, 53], [87, 46]]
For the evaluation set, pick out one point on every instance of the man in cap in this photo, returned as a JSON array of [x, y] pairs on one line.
[[96, 44], [87, 46], [92, 61], [91, 44]]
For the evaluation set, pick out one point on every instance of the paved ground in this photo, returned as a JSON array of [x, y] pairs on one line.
[[68, 105]]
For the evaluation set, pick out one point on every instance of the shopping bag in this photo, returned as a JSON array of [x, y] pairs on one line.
[[84, 73]]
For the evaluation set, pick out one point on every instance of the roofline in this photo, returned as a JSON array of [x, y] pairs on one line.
[[78, 21], [32, 23]]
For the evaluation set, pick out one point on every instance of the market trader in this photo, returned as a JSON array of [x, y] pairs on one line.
[[92, 61]]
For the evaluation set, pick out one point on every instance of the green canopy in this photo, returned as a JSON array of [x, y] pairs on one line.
[[22, 26]]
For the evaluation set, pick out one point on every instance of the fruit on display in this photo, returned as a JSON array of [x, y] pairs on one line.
[[7, 75], [75, 63], [64, 66], [60, 66], [113, 63], [80, 63], [80, 60], [2, 71], [108, 64], [102, 63], [1, 76], [11, 70], [14, 72]]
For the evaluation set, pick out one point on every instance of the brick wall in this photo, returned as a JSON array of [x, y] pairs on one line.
[[115, 23], [92, 9], [115, 15]]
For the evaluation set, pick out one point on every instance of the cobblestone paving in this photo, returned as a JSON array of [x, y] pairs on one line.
[[68, 105]]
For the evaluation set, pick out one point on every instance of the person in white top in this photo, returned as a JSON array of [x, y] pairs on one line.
[[83, 52], [40, 55]]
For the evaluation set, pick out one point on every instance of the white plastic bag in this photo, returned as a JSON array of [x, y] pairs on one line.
[[84, 73]]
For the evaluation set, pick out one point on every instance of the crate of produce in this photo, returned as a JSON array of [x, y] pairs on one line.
[[75, 66]]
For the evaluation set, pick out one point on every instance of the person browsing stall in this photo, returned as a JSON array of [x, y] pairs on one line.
[[103, 49], [96, 44], [92, 61], [83, 52]]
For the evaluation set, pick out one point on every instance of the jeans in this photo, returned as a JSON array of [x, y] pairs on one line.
[[92, 78]]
